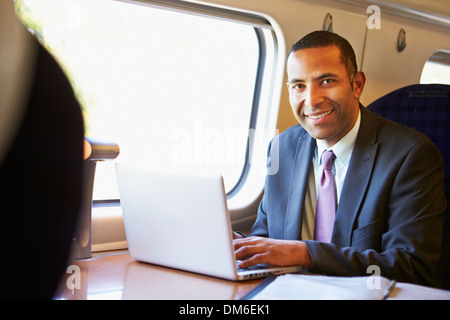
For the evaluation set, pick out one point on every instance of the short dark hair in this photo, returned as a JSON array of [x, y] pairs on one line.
[[318, 39]]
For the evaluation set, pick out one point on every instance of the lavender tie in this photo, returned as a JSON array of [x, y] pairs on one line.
[[326, 202]]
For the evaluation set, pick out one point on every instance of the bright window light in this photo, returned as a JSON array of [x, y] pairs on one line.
[[174, 90]]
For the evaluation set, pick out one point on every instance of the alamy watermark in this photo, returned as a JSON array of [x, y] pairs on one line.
[[74, 280], [199, 145], [374, 281], [374, 19], [73, 15]]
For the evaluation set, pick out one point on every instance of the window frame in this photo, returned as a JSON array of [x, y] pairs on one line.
[[439, 57], [254, 112]]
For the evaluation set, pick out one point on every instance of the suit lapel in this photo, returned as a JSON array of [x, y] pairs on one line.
[[298, 186], [357, 179]]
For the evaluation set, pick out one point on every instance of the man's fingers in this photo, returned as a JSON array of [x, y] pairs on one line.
[[251, 251], [237, 236], [239, 242], [245, 242], [258, 250], [252, 261]]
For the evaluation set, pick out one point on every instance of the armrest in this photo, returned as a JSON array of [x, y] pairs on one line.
[[94, 151], [99, 150]]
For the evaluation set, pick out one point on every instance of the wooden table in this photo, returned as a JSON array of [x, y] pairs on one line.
[[116, 275]]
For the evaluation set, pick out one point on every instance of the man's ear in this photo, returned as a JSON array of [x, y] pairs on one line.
[[359, 79]]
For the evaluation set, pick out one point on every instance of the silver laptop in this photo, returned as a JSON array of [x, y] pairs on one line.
[[181, 221]]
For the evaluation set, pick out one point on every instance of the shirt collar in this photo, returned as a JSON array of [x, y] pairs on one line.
[[343, 148]]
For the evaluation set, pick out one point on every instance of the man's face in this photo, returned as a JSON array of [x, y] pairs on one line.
[[322, 97]]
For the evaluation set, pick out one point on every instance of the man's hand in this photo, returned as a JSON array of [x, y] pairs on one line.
[[237, 236], [256, 250]]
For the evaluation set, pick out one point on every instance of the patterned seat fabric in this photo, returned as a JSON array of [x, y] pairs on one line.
[[426, 108]]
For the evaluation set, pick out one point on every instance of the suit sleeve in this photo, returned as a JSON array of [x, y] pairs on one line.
[[410, 225], [260, 227]]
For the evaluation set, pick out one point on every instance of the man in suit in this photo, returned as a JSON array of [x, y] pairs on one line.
[[388, 179]]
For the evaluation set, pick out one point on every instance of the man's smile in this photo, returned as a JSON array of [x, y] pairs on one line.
[[318, 116]]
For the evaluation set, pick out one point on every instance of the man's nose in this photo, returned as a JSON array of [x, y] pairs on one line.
[[313, 96]]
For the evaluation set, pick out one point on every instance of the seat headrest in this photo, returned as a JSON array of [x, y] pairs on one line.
[[424, 107]]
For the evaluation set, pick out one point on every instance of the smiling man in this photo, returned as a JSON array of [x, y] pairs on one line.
[[323, 94], [387, 201]]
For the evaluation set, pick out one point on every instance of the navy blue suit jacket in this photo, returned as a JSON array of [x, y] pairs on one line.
[[391, 208]]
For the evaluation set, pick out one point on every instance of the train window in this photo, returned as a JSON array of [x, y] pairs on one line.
[[175, 84], [437, 69]]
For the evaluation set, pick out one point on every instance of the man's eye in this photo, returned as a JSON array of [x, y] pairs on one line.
[[297, 86], [327, 81]]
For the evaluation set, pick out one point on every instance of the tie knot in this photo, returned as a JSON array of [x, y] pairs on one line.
[[327, 160]]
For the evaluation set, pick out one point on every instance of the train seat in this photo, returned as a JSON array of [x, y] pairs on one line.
[[426, 108]]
